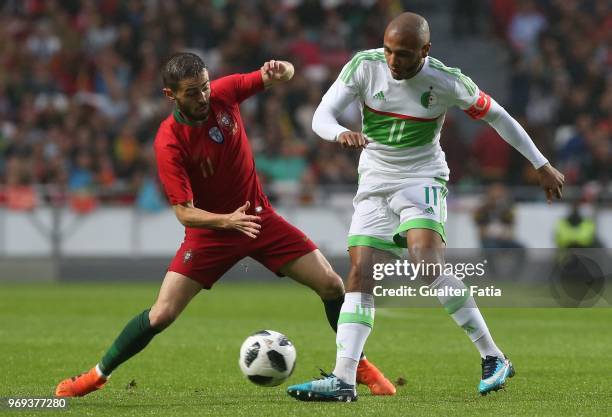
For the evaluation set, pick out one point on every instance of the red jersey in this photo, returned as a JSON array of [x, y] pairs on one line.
[[212, 163]]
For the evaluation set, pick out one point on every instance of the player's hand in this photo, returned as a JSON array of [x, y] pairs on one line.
[[245, 223], [352, 140], [551, 181], [277, 70]]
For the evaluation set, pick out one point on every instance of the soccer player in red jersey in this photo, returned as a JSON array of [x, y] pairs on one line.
[[206, 166]]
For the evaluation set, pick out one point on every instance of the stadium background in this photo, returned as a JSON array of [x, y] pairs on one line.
[[80, 103]]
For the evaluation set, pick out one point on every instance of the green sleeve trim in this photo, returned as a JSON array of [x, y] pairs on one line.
[[417, 224], [455, 304], [464, 79], [359, 57], [356, 318], [372, 242]]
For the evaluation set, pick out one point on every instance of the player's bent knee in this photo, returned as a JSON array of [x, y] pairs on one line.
[[333, 286], [162, 317]]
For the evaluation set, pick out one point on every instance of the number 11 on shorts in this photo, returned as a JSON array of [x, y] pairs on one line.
[[434, 192]]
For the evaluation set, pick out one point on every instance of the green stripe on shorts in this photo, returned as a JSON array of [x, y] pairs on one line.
[[401, 241], [374, 242]]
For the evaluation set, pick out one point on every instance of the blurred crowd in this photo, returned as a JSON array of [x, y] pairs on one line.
[[80, 94], [560, 86]]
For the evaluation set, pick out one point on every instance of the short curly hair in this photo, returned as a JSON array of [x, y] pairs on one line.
[[180, 66]]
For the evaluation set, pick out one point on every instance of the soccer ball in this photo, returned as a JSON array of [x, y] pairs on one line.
[[267, 358]]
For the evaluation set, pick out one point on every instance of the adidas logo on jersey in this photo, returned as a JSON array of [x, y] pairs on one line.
[[380, 96]]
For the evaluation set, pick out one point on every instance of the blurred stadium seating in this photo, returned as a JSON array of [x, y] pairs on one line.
[[80, 97]]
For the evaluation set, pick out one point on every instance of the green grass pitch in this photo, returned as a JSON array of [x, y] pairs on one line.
[[52, 331]]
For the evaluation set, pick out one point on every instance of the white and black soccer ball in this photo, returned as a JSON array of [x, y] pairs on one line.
[[267, 358]]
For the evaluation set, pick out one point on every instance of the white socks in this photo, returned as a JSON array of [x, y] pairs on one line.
[[357, 318], [354, 326], [466, 314], [346, 369]]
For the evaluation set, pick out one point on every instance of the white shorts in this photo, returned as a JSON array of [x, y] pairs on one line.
[[384, 212]]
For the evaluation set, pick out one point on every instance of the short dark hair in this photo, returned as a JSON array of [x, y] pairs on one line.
[[180, 66]]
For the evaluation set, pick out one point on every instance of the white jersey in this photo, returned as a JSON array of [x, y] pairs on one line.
[[403, 118], [402, 169]]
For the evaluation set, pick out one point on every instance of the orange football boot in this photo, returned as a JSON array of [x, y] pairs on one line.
[[80, 385], [368, 374]]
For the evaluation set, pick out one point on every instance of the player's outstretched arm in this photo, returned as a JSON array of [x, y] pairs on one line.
[[276, 72], [325, 120], [512, 132], [191, 216]]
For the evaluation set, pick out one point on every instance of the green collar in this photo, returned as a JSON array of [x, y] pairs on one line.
[[178, 116]]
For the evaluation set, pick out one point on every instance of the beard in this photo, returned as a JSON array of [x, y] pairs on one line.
[[194, 114]]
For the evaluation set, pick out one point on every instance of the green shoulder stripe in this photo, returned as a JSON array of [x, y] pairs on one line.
[[467, 81], [359, 57]]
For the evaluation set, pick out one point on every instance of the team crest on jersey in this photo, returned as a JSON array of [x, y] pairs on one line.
[[215, 134], [226, 122], [429, 99]]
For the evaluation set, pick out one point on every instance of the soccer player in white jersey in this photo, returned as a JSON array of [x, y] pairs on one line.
[[400, 203]]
